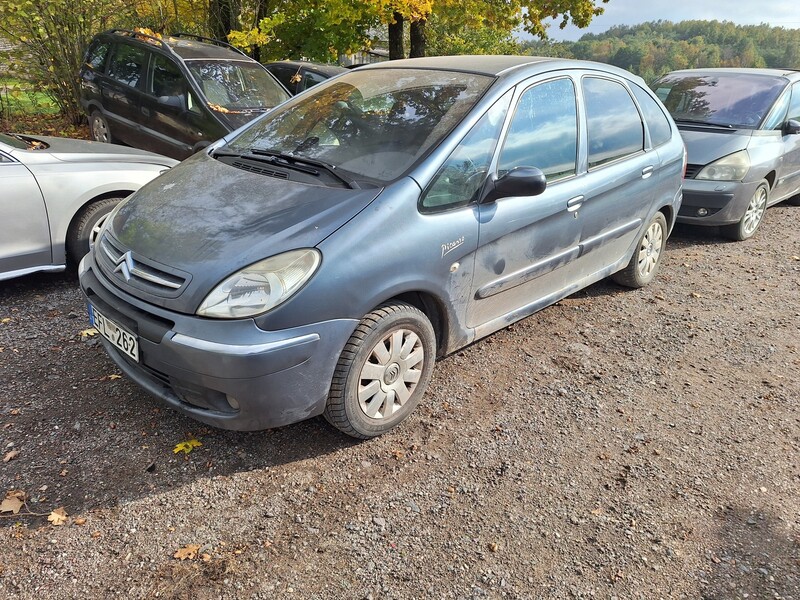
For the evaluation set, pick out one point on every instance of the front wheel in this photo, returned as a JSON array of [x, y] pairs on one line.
[[753, 215], [646, 259], [86, 226], [383, 371]]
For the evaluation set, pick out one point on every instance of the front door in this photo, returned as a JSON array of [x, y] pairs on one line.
[[788, 183], [24, 229], [528, 245]]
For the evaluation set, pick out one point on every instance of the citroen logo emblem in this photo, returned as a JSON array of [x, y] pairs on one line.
[[125, 265]]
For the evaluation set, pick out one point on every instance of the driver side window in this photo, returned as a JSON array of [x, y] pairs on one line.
[[464, 172]]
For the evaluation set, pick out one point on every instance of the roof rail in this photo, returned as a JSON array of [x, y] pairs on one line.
[[208, 40], [142, 36]]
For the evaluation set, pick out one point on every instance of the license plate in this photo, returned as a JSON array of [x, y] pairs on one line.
[[125, 341]]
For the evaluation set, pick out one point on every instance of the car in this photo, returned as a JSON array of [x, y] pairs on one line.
[[173, 95], [299, 75], [741, 131], [319, 260], [56, 194]]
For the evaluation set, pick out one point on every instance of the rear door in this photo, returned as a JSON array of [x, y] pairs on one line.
[[24, 228], [621, 177], [122, 92]]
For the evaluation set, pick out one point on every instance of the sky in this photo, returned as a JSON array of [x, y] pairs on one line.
[[778, 13]]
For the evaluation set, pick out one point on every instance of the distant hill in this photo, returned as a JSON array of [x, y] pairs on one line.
[[654, 48]]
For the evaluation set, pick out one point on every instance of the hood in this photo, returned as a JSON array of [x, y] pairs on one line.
[[706, 145], [208, 219], [69, 150]]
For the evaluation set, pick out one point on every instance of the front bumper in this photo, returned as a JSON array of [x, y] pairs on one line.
[[724, 202], [229, 374]]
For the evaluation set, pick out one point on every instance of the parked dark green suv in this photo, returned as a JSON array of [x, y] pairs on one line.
[[172, 95]]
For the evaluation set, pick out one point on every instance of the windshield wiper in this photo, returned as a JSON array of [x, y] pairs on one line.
[[301, 163], [707, 123]]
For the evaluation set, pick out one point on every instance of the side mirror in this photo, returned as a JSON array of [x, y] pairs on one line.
[[175, 101], [792, 127], [519, 181]]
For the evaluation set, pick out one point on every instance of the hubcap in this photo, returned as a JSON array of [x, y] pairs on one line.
[[99, 130], [650, 250], [391, 374], [755, 211]]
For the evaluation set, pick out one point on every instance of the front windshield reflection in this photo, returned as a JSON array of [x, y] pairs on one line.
[[727, 99], [371, 123]]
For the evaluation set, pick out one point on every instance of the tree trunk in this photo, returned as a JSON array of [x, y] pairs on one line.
[[417, 29], [396, 50], [222, 17]]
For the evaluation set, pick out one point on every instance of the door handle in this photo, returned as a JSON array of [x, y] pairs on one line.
[[574, 203], [647, 171], [145, 111]]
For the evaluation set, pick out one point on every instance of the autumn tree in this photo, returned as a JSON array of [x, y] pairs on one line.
[[50, 37]]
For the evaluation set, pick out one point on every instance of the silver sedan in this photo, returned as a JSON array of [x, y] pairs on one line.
[[55, 194]]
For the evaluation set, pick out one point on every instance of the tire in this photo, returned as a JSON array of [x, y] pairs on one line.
[[389, 361], [86, 225], [99, 128], [646, 259], [753, 216]]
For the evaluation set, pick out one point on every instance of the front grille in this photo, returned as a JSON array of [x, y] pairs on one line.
[[125, 268], [260, 170], [692, 171]]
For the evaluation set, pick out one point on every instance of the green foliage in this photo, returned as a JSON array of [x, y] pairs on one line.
[[654, 48], [50, 37]]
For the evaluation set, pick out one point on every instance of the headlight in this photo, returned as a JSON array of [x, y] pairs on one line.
[[729, 168], [261, 286]]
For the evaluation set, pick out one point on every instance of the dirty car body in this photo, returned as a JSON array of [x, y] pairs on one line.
[[318, 261], [55, 193]]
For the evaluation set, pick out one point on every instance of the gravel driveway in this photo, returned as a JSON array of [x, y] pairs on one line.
[[628, 444]]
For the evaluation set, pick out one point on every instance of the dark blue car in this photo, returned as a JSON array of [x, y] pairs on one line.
[[321, 259]]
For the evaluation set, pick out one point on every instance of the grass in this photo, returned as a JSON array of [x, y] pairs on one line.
[[25, 110], [18, 96]]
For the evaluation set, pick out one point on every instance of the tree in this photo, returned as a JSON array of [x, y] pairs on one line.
[[50, 38]]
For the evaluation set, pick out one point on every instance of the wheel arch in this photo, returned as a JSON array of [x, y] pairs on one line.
[[434, 309], [60, 249]]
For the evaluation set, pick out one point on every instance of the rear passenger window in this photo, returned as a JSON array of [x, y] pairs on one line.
[[126, 64], [96, 55], [612, 121], [544, 131], [657, 122]]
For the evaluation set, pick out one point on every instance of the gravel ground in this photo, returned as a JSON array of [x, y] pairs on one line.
[[620, 444]]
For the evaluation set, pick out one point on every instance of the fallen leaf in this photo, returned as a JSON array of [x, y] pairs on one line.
[[398, 454], [63, 473], [795, 257], [5, 320], [96, 534], [11, 504], [14, 411], [114, 376], [695, 295], [597, 511], [80, 521], [493, 546], [58, 516], [205, 557], [11, 455], [87, 333], [187, 446], [189, 551]]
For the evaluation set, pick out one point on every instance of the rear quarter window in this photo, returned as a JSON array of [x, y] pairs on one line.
[[613, 124], [657, 122], [96, 55]]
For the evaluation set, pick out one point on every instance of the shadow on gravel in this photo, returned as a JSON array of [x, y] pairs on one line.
[[86, 438], [755, 557]]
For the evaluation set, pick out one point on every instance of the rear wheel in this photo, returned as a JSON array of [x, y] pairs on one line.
[[86, 225], [753, 215], [101, 132], [383, 371], [645, 261]]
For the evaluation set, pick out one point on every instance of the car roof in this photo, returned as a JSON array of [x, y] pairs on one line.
[[185, 46], [329, 70], [494, 65], [788, 73]]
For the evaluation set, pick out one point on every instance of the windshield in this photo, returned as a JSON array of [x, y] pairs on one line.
[[236, 85], [374, 123], [728, 99]]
